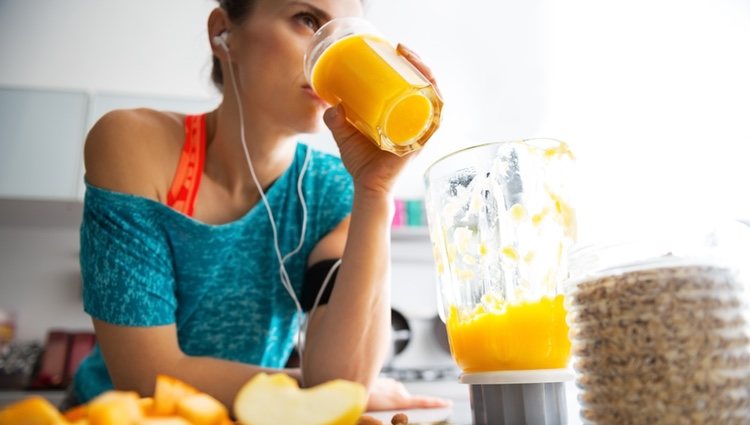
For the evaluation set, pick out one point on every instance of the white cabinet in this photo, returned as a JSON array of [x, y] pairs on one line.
[[101, 103], [42, 132], [41, 135]]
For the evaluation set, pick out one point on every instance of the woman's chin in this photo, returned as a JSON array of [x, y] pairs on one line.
[[313, 125]]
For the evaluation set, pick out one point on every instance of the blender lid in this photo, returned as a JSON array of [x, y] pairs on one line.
[[537, 376]]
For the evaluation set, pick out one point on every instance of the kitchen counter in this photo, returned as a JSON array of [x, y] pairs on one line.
[[11, 396]]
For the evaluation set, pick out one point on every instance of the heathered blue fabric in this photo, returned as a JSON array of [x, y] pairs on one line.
[[145, 264]]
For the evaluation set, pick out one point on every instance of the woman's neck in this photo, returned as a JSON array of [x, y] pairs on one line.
[[271, 150]]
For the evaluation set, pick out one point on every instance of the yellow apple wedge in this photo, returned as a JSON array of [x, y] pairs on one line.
[[277, 399]]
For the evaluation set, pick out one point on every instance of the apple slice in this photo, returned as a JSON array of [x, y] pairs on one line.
[[277, 399]]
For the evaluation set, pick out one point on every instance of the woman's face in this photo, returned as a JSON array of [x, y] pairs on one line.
[[268, 50]]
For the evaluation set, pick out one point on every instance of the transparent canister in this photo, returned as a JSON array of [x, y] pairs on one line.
[[501, 225], [660, 330]]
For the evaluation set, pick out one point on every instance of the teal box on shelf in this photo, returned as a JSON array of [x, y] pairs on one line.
[[415, 213]]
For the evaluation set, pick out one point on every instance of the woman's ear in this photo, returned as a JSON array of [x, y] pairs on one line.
[[218, 32]]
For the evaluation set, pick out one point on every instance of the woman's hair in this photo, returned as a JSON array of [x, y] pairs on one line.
[[238, 11]]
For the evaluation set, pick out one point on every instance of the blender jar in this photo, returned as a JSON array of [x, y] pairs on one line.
[[501, 226], [660, 328]]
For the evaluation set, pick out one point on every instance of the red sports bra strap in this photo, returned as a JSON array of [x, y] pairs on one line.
[[187, 178]]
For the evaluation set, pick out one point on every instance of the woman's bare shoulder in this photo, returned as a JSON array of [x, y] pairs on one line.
[[134, 151]]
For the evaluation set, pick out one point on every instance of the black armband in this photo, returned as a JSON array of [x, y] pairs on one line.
[[314, 277]]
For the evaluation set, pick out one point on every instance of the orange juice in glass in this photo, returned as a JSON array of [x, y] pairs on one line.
[[383, 95]]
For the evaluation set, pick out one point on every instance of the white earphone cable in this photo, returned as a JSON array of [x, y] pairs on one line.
[[284, 275], [285, 280]]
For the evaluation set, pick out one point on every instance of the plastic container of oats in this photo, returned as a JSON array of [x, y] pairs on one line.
[[660, 328]]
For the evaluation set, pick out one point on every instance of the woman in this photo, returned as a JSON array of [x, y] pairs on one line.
[[180, 268]]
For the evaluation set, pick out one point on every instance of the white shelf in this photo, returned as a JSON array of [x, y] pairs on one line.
[[411, 244], [411, 233]]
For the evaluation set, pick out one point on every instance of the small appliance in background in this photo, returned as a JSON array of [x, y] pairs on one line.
[[421, 351], [17, 361], [63, 352]]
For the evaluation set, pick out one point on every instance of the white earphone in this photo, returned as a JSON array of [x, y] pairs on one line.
[[221, 41]]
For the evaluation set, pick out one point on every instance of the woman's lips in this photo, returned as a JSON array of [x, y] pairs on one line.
[[310, 92]]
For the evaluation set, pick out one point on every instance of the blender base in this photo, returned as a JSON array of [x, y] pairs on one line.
[[533, 397]]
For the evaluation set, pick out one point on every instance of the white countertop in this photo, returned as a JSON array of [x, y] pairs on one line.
[[460, 412]]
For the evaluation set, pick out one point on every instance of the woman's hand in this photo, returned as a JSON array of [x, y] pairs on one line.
[[371, 168], [387, 394]]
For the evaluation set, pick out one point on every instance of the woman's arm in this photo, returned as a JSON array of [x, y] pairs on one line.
[[348, 338], [135, 355]]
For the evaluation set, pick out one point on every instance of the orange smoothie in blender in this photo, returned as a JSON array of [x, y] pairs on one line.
[[518, 336], [383, 95], [501, 225]]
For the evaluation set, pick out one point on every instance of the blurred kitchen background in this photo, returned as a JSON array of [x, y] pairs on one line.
[[653, 96]]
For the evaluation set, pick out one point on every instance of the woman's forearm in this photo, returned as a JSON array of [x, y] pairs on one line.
[[222, 379], [350, 339]]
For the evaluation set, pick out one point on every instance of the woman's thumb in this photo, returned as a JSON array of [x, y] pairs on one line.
[[336, 121]]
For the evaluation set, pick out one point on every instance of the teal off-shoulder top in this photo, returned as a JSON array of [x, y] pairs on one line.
[[144, 264]]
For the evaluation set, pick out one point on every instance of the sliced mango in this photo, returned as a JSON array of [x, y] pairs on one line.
[[115, 408], [77, 413], [171, 420], [34, 410], [169, 391], [202, 409]]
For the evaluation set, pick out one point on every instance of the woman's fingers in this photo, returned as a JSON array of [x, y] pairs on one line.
[[334, 117], [388, 394], [417, 62], [420, 401]]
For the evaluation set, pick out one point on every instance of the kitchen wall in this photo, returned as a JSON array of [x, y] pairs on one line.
[[160, 48], [651, 96], [39, 273]]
